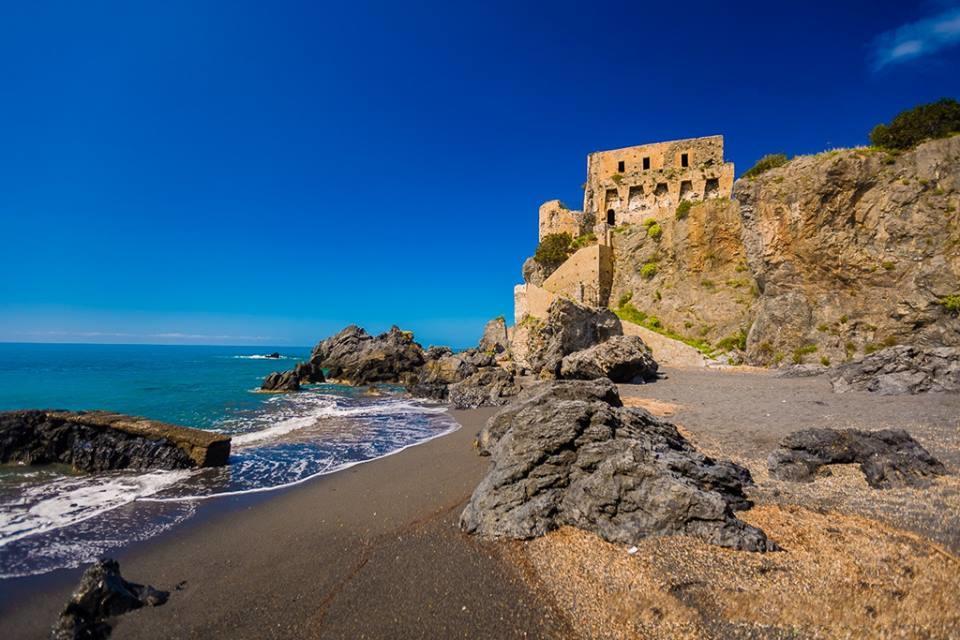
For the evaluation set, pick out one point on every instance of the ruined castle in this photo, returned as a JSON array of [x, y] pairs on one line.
[[624, 186]]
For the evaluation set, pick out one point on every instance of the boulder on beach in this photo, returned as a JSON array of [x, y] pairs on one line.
[[97, 441], [901, 369], [440, 372], [540, 345], [625, 359], [101, 595], [888, 458], [570, 454], [488, 387]]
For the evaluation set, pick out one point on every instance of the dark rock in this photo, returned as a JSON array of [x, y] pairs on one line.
[[488, 387], [545, 393], [901, 369], [435, 353], [621, 359], [102, 594], [888, 458], [567, 457], [355, 357], [275, 355], [281, 382], [100, 441], [437, 374], [494, 339], [801, 371], [570, 327]]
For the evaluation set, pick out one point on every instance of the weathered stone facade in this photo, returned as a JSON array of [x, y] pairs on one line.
[[648, 181]]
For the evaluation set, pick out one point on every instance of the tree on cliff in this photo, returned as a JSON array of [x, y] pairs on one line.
[[924, 122], [553, 250]]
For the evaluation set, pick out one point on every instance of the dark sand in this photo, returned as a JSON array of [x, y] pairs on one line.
[[370, 552]]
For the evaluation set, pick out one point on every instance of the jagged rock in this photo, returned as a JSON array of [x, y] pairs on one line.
[[437, 374], [489, 386], [280, 382], [273, 356], [533, 272], [102, 594], [569, 458], [494, 338], [801, 371], [569, 327], [545, 393], [435, 352], [621, 359], [97, 441], [888, 458], [901, 369], [355, 357]]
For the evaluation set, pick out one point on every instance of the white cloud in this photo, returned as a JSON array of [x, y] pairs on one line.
[[916, 39]]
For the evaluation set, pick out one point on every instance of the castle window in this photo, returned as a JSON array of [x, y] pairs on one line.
[[646, 164], [686, 190], [611, 217], [621, 166], [684, 160], [712, 188]]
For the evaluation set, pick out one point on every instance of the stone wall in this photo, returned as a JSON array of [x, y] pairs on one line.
[[555, 217], [632, 184]]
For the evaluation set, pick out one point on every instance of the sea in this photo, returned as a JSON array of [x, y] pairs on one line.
[[53, 518]]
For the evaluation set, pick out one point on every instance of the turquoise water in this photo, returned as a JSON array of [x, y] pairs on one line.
[[51, 518]]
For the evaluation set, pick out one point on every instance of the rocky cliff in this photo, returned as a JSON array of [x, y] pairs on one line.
[[823, 259]]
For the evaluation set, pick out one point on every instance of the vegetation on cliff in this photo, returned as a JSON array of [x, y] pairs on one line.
[[764, 164], [924, 122]]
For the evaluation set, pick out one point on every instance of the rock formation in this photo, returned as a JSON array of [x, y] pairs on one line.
[[488, 387], [888, 458], [495, 339], [621, 359], [96, 441], [355, 357], [102, 594], [901, 369], [538, 347], [281, 381], [825, 258], [567, 453]]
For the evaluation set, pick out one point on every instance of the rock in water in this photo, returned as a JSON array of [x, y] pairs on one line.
[[274, 356], [901, 369], [888, 458], [488, 387], [621, 359], [355, 357], [102, 594], [494, 339], [281, 381], [569, 327], [101, 441], [568, 454]]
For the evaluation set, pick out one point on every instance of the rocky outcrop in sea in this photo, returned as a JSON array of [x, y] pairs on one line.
[[94, 441]]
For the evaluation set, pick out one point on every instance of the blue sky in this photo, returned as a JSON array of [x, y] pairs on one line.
[[264, 173]]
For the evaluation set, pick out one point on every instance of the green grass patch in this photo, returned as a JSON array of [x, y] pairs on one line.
[[766, 163], [630, 313], [683, 209]]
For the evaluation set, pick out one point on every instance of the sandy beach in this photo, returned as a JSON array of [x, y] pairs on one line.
[[375, 552]]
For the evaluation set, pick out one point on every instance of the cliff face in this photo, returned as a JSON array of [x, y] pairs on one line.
[[829, 256], [854, 249], [693, 278]]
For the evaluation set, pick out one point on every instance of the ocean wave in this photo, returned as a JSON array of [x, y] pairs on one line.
[[257, 356]]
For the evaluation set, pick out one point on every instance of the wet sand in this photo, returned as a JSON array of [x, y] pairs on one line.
[[370, 552]]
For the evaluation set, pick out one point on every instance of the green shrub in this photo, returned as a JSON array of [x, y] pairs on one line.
[[584, 241], [736, 341], [654, 231], [625, 298], [825, 361], [683, 209], [799, 352], [889, 266], [951, 304], [630, 313], [767, 162], [553, 250], [708, 284], [648, 270], [911, 127]]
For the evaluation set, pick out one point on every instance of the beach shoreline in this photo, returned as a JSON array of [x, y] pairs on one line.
[[372, 547]]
